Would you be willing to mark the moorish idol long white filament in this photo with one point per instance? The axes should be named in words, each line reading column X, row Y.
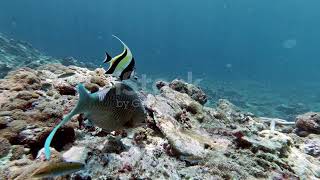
column 122, row 65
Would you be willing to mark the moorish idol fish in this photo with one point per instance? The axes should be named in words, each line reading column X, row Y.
column 123, row 65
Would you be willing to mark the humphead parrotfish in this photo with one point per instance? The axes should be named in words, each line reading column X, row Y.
column 115, row 108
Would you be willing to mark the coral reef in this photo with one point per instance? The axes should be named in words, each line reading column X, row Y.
column 194, row 92
column 15, row 54
column 181, row 139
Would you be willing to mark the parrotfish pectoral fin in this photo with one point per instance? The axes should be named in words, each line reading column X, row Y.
column 83, row 98
column 108, row 58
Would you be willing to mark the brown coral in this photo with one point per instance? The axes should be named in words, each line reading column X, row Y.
column 309, row 122
column 65, row 89
column 99, row 80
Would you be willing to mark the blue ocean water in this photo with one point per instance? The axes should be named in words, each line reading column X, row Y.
column 260, row 51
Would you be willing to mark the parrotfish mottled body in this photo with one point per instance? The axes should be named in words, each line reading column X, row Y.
column 115, row 108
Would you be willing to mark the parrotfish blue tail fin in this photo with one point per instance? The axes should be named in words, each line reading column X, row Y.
column 49, row 138
column 83, row 97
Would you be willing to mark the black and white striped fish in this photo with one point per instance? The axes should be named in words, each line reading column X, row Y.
column 122, row 65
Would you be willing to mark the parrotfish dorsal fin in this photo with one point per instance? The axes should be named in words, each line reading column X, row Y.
column 83, row 98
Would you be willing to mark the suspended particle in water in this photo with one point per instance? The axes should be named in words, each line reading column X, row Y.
column 229, row 66
column 290, row 43
column 250, row 10
column 13, row 24
column 157, row 51
column 225, row 6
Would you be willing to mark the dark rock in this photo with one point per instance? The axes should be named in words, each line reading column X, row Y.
column 91, row 87
column 8, row 134
column 4, row 147
column 46, row 86
column 80, row 177
column 183, row 119
column 301, row 133
column 3, row 122
column 125, row 168
column 113, row 145
column 17, row 152
column 309, row 122
column 34, row 138
column 160, row 84
column 65, row 89
column 233, row 126
column 194, row 92
column 139, row 137
column 170, row 150
column 241, row 141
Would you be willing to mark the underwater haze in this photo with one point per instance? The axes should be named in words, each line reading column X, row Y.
column 159, row 89
column 272, row 43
